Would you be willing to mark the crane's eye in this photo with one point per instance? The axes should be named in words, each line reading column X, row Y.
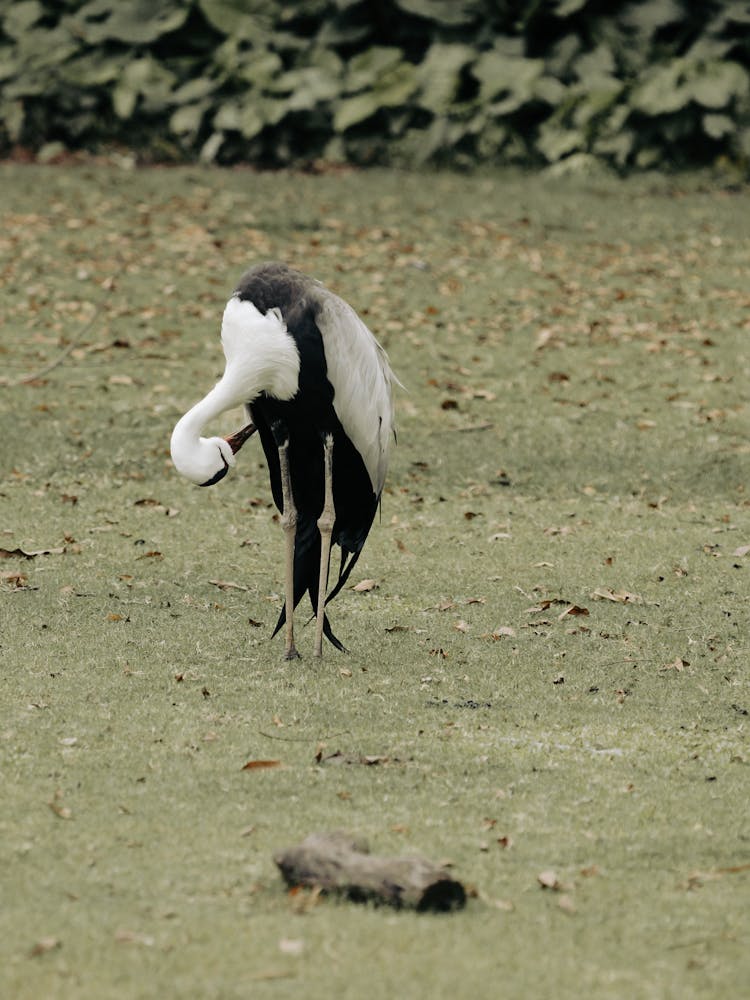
column 219, row 475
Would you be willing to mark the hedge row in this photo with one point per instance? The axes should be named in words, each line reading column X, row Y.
column 632, row 84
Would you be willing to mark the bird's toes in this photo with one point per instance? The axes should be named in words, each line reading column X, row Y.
column 292, row 654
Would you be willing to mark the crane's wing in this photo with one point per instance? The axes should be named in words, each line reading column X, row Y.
column 362, row 380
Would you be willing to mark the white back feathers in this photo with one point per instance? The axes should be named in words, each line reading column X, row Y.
column 358, row 369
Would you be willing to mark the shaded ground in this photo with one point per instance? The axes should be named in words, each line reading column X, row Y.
column 548, row 679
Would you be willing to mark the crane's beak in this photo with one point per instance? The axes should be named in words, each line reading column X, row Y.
column 236, row 440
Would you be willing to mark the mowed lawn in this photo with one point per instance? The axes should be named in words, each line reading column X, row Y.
column 547, row 685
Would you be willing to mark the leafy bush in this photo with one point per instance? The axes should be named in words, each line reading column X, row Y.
column 568, row 82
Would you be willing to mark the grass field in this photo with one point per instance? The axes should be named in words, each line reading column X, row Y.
column 548, row 680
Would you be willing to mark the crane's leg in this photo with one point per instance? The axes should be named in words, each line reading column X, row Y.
column 289, row 524
column 325, row 527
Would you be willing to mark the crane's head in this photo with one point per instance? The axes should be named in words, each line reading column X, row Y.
column 205, row 461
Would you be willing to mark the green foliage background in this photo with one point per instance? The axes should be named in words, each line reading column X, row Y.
column 571, row 82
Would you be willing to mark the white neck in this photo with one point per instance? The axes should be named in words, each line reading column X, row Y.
column 197, row 458
column 260, row 357
column 188, row 429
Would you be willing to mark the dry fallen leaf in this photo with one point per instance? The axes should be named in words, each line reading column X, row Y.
column 157, row 505
column 697, row 879
column 445, row 605
column 544, row 337
column 31, row 554
column 561, row 530
column 572, row 609
column 549, row 880
column 61, row 811
column 741, row 551
column 291, row 946
column 337, row 757
column 677, row 664
column 43, row 945
column 125, row 936
column 228, row 585
column 503, row 631
column 619, row 596
column 547, row 603
column 259, row 765
column 364, row 585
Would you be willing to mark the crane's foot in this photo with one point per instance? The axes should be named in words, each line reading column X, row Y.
column 292, row 654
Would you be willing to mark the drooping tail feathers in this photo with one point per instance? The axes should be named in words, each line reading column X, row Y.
column 307, row 569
